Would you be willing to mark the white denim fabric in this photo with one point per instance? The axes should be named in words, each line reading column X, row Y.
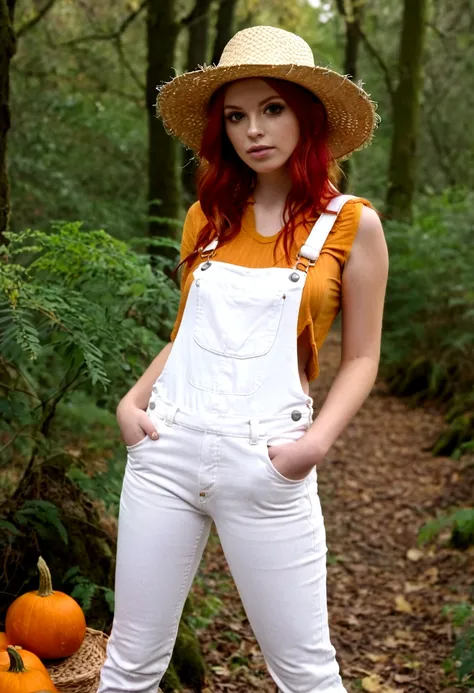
column 230, row 388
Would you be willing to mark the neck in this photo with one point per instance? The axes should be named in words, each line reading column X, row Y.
column 272, row 188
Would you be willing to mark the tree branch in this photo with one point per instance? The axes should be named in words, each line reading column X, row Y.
column 370, row 48
column 437, row 30
column 131, row 17
column 194, row 18
column 379, row 60
column 127, row 65
column 29, row 25
column 113, row 35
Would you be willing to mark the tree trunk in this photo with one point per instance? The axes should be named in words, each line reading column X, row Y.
column 225, row 27
column 352, row 14
column 198, row 47
column 163, row 179
column 7, row 51
column 406, row 107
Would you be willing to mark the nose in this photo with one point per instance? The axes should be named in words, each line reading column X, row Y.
column 255, row 127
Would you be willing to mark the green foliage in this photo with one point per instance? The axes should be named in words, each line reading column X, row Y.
column 84, row 590
column 104, row 486
column 428, row 340
column 38, row 516
column 79, row 154
column 79, row 311
column 204, row 611
column 460, row 523
column 462, row 660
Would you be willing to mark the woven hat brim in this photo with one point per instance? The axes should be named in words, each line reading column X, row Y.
column 182, row 102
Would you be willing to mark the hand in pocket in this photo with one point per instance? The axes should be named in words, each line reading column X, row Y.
column 293, row 460
column 134, row 424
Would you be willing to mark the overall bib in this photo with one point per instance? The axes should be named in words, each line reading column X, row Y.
column 229, row 389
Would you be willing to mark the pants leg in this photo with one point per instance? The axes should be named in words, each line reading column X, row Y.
column 273, row 536
column 160, row 543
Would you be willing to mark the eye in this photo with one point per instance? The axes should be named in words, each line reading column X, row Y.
column 234, row 117
column 274, row 108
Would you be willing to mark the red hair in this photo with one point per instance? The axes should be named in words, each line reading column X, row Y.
column 225, row 182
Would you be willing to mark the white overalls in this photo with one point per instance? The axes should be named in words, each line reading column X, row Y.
column 229, row 389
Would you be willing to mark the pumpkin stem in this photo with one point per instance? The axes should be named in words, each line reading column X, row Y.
column 45, row 588
column 16, row 662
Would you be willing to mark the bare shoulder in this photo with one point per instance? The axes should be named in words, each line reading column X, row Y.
column 368, row 257
column 369, row 241
column 370, row 226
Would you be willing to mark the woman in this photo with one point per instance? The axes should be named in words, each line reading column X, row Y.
column 224, row 408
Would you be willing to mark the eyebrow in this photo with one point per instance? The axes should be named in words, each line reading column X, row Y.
column 262, row 103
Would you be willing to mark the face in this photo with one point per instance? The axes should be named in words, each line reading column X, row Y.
column 260, row 125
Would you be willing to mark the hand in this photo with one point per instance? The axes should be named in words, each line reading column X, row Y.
column 134, row 423
column 295, row 460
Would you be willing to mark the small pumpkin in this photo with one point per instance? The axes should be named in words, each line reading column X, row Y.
column 30, row 660
column 4, row 642
column 49, row 623
column 19, row 678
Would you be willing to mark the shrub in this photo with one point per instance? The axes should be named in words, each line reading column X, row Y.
column 428, row 340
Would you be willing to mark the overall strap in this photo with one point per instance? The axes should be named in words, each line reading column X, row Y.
column 322, row 228
column 317, row 237
column 210, row 248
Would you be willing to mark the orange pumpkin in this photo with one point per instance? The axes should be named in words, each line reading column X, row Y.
column 21, row 679
column 4, row 642
column 30, row 660
column 50, row 624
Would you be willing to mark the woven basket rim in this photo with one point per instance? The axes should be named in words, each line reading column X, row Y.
column 61, row 678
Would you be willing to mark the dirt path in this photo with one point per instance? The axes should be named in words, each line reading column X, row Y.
column 378, row 487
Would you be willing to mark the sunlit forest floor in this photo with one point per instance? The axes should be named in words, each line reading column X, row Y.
column 379, row 485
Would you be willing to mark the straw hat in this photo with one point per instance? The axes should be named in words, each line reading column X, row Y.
column 264, row 51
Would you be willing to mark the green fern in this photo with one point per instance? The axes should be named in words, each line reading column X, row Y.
column 461, row 524
column 462, row 659
column 43, row 517
column 84, row 590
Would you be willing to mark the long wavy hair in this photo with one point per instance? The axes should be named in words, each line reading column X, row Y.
column 225, row 182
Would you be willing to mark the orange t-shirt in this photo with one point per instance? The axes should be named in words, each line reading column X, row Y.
column 321, row 299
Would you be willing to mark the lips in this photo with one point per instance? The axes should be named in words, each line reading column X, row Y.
column 258, row 148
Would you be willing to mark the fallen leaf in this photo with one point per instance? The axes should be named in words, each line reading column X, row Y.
column 414, row 554
column 391, row 642
column 402, row 605
column 403, row 634
column 372, row 683
column 405, row 678
column 415, row 586
column 376, row 657
column 431, row 575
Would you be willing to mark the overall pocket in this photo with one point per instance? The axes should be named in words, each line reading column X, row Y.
column 141, row 442
column 238, row 320
column 235, row 328
column 271, row 467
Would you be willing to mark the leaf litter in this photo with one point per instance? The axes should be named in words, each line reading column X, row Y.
column 378, row 486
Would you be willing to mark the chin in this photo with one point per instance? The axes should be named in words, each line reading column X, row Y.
column 265, row 166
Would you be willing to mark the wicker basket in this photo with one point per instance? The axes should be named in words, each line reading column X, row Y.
column 80, row 673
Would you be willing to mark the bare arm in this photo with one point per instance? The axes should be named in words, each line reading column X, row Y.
column 364, row 283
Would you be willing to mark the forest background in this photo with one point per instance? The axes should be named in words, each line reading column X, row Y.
column 92, row 197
